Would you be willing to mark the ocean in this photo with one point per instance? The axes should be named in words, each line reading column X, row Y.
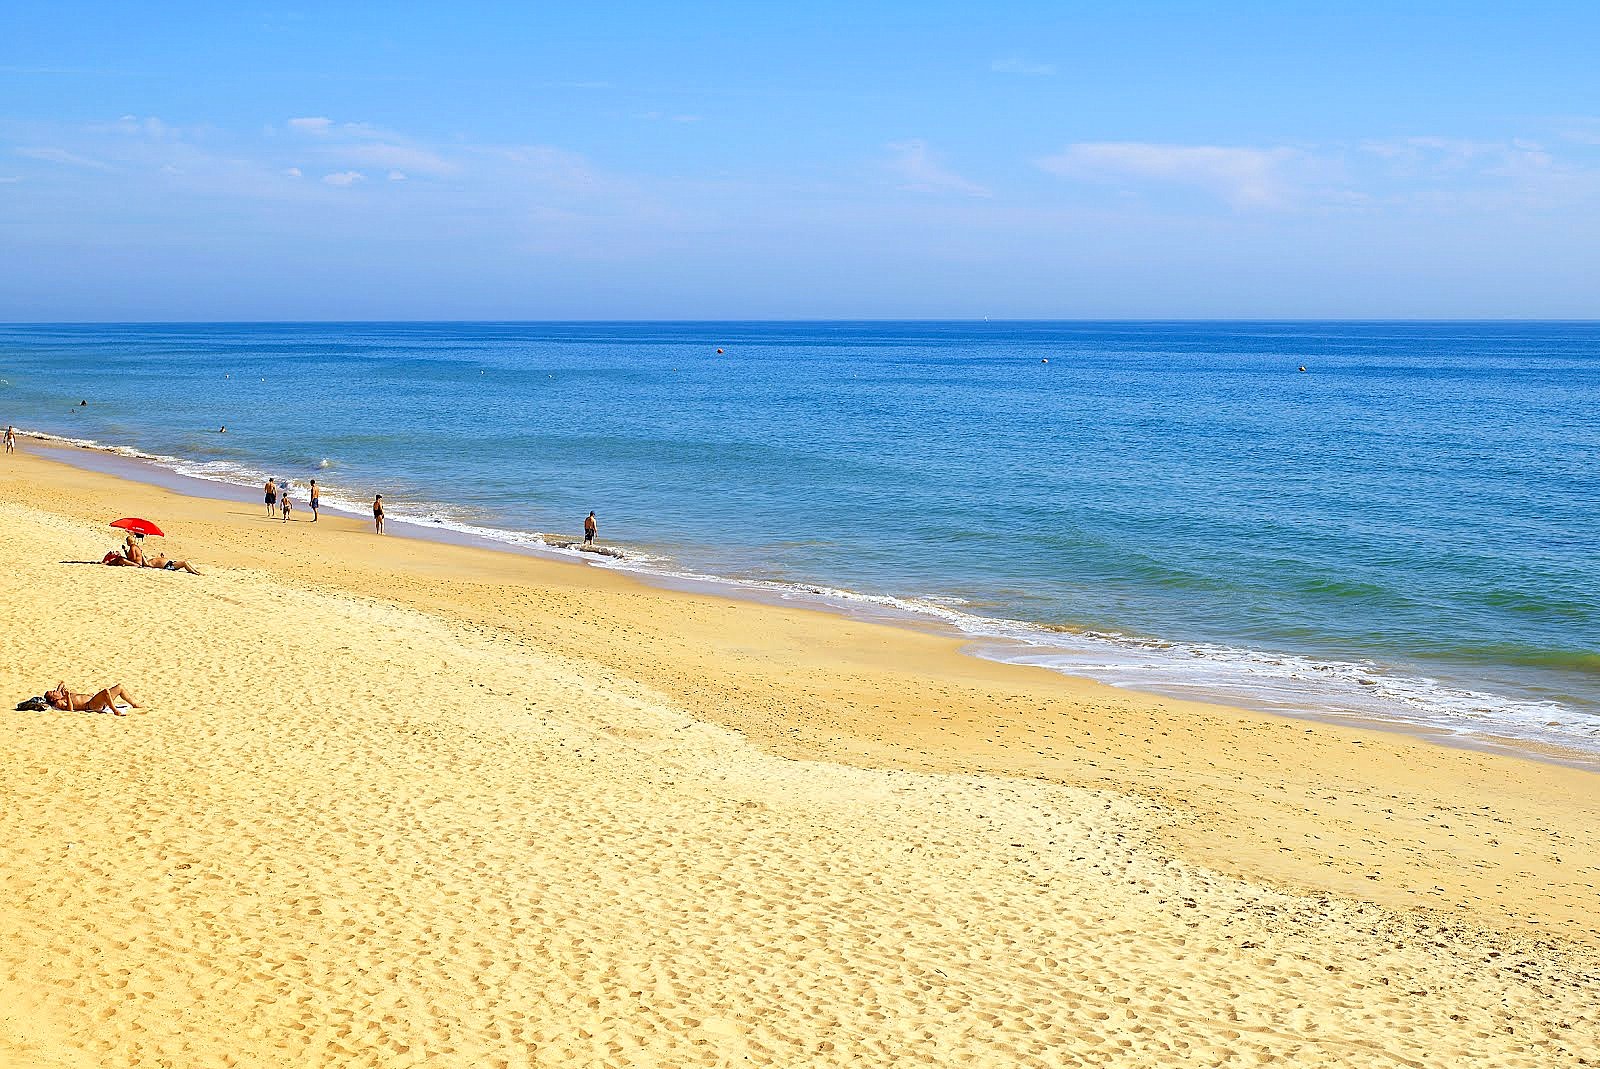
column 1404, row 531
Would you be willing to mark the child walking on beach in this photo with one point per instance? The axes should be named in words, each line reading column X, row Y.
column 288, row 502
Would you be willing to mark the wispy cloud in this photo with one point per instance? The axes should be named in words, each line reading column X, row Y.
column 1244, row 177
column 355, row 145
column 344, row 178
column 61, row 155
column 919, row 172
column 1018, row 65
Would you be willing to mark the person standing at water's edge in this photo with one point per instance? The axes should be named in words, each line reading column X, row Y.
column 288, row 502
column 377, row 513
column 589, row 528
column 11, row 439
column 272, row 498
column 316, row 500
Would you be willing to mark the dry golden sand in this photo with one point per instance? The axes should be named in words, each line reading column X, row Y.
column 395, row 803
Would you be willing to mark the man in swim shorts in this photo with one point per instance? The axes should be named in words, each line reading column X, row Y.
column 272, row 498
column 589, row 528
column 316, row 500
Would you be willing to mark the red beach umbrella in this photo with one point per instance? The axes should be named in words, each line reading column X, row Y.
column 137, row 526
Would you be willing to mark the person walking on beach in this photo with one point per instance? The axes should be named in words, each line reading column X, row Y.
column 316, row 500
column 377, row 513
column 272, row 498
column 590, row 527
column 288, row 502
column 11, row 439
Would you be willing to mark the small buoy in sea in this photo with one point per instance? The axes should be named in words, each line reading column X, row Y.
column 222, row 430
column 719, row 352
column 1302, row 367
column 1045, row 360
column 83, row 404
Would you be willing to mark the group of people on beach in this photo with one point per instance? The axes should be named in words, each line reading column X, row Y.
column 280, row 504
column 279, row 498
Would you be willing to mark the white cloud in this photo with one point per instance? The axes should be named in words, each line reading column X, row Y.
column 344, row 178
column 381, row 155
column 1583, row 131
column 921, row 173
column 148, row 126
column 61, row 155
column 1018, row 65
column 317, row 126
column 556, row 168
column 1245, row 177
column 397, row 176
column 293, row 172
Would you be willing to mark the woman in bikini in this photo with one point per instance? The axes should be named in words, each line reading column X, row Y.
column 101, row 701
column 161, row 560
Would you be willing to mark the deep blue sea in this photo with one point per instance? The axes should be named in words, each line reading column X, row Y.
column 1407, row 529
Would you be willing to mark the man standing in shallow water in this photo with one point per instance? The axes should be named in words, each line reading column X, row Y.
column 589, row 528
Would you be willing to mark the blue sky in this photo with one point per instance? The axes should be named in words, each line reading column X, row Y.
column 531, row 161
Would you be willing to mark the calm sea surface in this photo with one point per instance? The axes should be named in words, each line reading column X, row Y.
column 1408, row 529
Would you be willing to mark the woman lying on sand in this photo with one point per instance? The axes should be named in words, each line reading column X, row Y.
column 161, row 560
column 101, row 701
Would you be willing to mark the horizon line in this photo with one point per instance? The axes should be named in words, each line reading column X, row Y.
column 804, row 319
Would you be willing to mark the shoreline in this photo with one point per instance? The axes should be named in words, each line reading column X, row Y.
column 992, row 646
column 404, row 802
column 769, row 641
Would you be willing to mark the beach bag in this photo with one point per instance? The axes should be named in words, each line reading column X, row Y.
column 33, row 705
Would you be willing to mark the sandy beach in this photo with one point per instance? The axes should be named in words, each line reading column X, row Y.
column 394, row 802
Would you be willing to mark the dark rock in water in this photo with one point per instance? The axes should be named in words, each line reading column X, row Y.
column 557, row 542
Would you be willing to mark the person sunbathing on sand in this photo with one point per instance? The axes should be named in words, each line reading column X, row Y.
column 101, row 701
column 161, row 560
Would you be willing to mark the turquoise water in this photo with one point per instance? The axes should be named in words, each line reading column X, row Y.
column 1406, row 529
